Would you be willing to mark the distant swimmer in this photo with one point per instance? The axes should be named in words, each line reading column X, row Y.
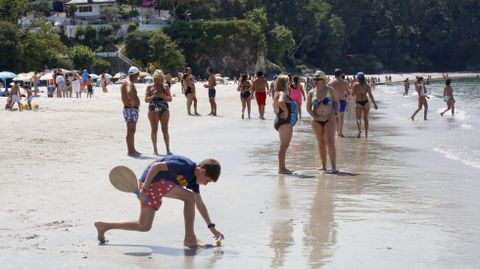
column 323, row 105
column 342, row 88
column 260, row 90
column 286, row 117
column 362, row 93
column 422, row 98
column 297, row 93
column 131, row 105
column 448, row 97
column 245, row 89
column 406, row 85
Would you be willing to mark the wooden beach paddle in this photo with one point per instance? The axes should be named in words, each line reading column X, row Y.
column 124, row 179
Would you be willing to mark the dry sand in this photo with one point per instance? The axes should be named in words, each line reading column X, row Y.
column 54, row 183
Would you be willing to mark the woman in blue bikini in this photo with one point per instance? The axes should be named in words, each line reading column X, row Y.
column 323, row 105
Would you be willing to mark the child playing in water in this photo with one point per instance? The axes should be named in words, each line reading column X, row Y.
column 170, row 177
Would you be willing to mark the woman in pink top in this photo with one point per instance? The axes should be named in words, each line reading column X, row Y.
column 297, row 94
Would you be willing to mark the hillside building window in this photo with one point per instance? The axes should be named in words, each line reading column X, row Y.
column 85, row 9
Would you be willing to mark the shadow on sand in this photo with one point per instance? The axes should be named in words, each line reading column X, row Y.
column 208, row 250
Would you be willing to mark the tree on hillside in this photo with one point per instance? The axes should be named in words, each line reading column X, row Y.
column 71, row 9
column 40, row 7
column 12, row 11
column 83, row 57
column 280, row 43
column 40, row 47
column 9, row 49
column 137, row 47
column 174, row 5
column 165, row 53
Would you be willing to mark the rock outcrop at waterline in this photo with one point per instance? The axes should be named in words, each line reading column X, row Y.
column 229, row 47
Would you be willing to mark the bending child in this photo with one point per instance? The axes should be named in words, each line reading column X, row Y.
column 173, row 177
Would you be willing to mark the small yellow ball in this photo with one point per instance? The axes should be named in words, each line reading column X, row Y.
column 219, row 243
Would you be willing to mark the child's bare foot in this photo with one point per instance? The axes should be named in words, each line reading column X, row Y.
column 193, row 242
column 285, row 172
column 100, row 232
column 323, row 168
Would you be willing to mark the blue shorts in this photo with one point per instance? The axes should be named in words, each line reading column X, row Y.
column 130, row 114
column 343, row 106
column 212, row 92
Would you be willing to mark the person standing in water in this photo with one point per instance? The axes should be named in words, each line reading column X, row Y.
column 245, row 88
column 422, row 98
column 448, row 97
column 342, row 90
column 362, row 93
column 297, row 94
column 322, row 105
column 260, row 89
column 406, row 85
column 286, row 117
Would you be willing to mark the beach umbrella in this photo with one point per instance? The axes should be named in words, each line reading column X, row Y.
column 4, row 75
column 25, row 77
column 94, row 76
column 47, row 76
column 120, row 75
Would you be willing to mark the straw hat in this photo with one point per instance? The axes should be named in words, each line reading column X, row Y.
column 321, row 75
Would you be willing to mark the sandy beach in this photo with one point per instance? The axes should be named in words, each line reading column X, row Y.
column 56, row 160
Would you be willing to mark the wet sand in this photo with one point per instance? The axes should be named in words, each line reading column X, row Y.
column 378, row 214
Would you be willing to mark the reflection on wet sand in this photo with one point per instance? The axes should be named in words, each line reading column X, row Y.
column 282, row 230
column 320, row 232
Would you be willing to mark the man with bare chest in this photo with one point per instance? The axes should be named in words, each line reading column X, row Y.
column 131, row 105
column 342, row 89
column 260, row 90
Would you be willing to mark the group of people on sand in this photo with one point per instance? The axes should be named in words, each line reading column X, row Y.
column 170, row 176
column 326, row 103
column 65, row 84
column 421, row 89
column 15, row 97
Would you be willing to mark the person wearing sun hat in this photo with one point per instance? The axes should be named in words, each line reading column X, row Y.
column 323, row 105
column 362, row 92
column 131, row 104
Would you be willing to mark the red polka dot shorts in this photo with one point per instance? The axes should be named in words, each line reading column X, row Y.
column 156, row 192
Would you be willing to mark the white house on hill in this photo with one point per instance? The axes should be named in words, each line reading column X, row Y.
column 89, row 9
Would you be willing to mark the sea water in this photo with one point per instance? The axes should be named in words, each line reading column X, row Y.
column 455, row 137
column 408, row 196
